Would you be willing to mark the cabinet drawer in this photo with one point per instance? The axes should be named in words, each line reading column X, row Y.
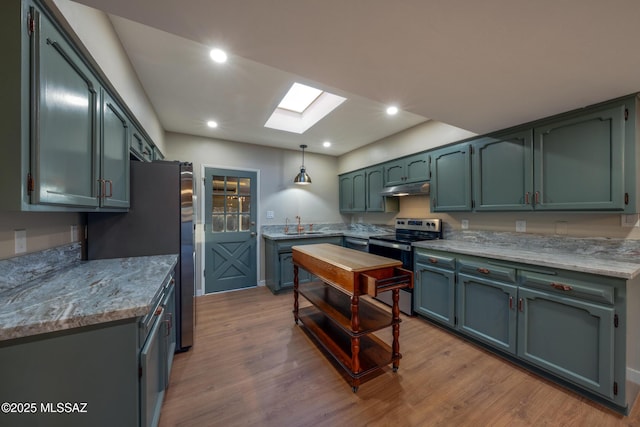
column 479, row 268
column 435, row 259
column 286, row 245
column 583, row 287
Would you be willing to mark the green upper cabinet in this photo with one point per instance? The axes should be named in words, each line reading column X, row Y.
column 63, row 146
column 65, row 112
column 360, row 192
column 352, row 192
column 406, row 170
column 579, row 161
column 503, row 172
column 140, row 147
column 451, row 178
column 114, row 165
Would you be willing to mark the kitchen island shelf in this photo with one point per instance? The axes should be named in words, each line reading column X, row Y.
column 337, row 306
column 339, row 321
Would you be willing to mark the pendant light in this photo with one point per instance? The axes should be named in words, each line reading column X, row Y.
column 302, row 178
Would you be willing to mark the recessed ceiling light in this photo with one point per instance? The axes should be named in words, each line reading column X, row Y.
column 392, row 110
column 326, row 144
column 212, row 124
column 218, row 55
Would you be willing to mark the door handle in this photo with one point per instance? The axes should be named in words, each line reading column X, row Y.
column 253, row 234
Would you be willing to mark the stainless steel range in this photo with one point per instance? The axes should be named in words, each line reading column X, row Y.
column 398, row 246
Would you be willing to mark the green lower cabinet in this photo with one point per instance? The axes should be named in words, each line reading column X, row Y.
column 96, row 366
column 487, row 311
column 569, row 332
column 279, row 262
column 434, row 287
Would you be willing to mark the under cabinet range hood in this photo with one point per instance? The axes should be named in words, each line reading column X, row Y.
column 421, row 188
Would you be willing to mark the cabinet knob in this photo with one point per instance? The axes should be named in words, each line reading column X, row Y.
column 483, row 270
column 433, row 260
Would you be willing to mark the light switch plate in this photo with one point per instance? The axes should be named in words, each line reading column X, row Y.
column 74, row 233
column 270, row 214
column 521, row 226
column 464, row 224
column 20, row 237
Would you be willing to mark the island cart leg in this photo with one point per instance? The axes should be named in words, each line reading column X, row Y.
column 295, row 293
column 396, row 330
column 355, row 341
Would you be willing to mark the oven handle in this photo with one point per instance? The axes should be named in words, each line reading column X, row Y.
column 401, row 246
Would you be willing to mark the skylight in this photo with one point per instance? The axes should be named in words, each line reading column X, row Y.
column 302, row 107
column 299, row 98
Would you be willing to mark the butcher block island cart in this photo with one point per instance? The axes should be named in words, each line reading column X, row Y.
column 339, row 320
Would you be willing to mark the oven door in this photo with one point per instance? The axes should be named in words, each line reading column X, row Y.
column 393, row 250
column 403, row 253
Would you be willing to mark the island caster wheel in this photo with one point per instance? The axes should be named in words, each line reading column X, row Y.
column 354, row 388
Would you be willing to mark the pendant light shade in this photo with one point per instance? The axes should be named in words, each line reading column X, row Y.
column 302, row 178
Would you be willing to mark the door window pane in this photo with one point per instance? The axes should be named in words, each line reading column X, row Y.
column 231, row 204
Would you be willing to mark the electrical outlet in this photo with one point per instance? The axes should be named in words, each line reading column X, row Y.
column 74, row 233
column 629, row 220
column 521, row 226
column 270, row 214
column 20, row 237
column 464, row 224
column 561, row 227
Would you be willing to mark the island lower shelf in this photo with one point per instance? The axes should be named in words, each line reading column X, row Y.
column 373, row 353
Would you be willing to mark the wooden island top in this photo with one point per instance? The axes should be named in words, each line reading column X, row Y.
column 345, row 268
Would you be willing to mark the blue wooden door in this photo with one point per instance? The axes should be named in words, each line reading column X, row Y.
column 230, row 229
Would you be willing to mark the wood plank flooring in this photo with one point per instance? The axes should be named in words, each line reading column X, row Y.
column 252, row 366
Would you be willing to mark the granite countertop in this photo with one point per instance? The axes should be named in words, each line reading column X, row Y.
column 82, row 294
column 595, row 256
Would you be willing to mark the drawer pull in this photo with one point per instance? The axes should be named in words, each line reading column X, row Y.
column 510, row 303
column 483, row 270
column 561, row 286
column 520, row 307
column 433, row 260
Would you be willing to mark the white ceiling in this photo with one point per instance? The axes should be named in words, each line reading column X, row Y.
column 478, row 65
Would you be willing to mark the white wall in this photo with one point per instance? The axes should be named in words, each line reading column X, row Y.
column 422, row 137
column 315, row 203
column 96, row 32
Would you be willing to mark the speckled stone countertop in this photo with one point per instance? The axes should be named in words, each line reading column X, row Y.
column 79, row 293
column 362, row 231
column 608, row 257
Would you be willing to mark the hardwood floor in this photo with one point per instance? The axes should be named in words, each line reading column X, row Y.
column 252, row 366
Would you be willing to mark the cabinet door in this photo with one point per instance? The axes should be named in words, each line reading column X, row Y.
column 115, row 155
column 346, row 193
column 359, row 192
column 568, row 337
column 434, row 293
column 375, row 183
column 286, row 272
column 451, row 179
column 394, row 173
column 487, row 311
column 169, row 323
column 503, row 172
column 140, row 146
column 65, row 103
column 418, row 168
column 152, row 381
column 578, row 162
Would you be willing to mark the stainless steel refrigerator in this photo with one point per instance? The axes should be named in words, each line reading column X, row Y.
column 159, row 222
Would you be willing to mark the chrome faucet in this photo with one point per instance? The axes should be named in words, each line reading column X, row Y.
column 300, row 227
